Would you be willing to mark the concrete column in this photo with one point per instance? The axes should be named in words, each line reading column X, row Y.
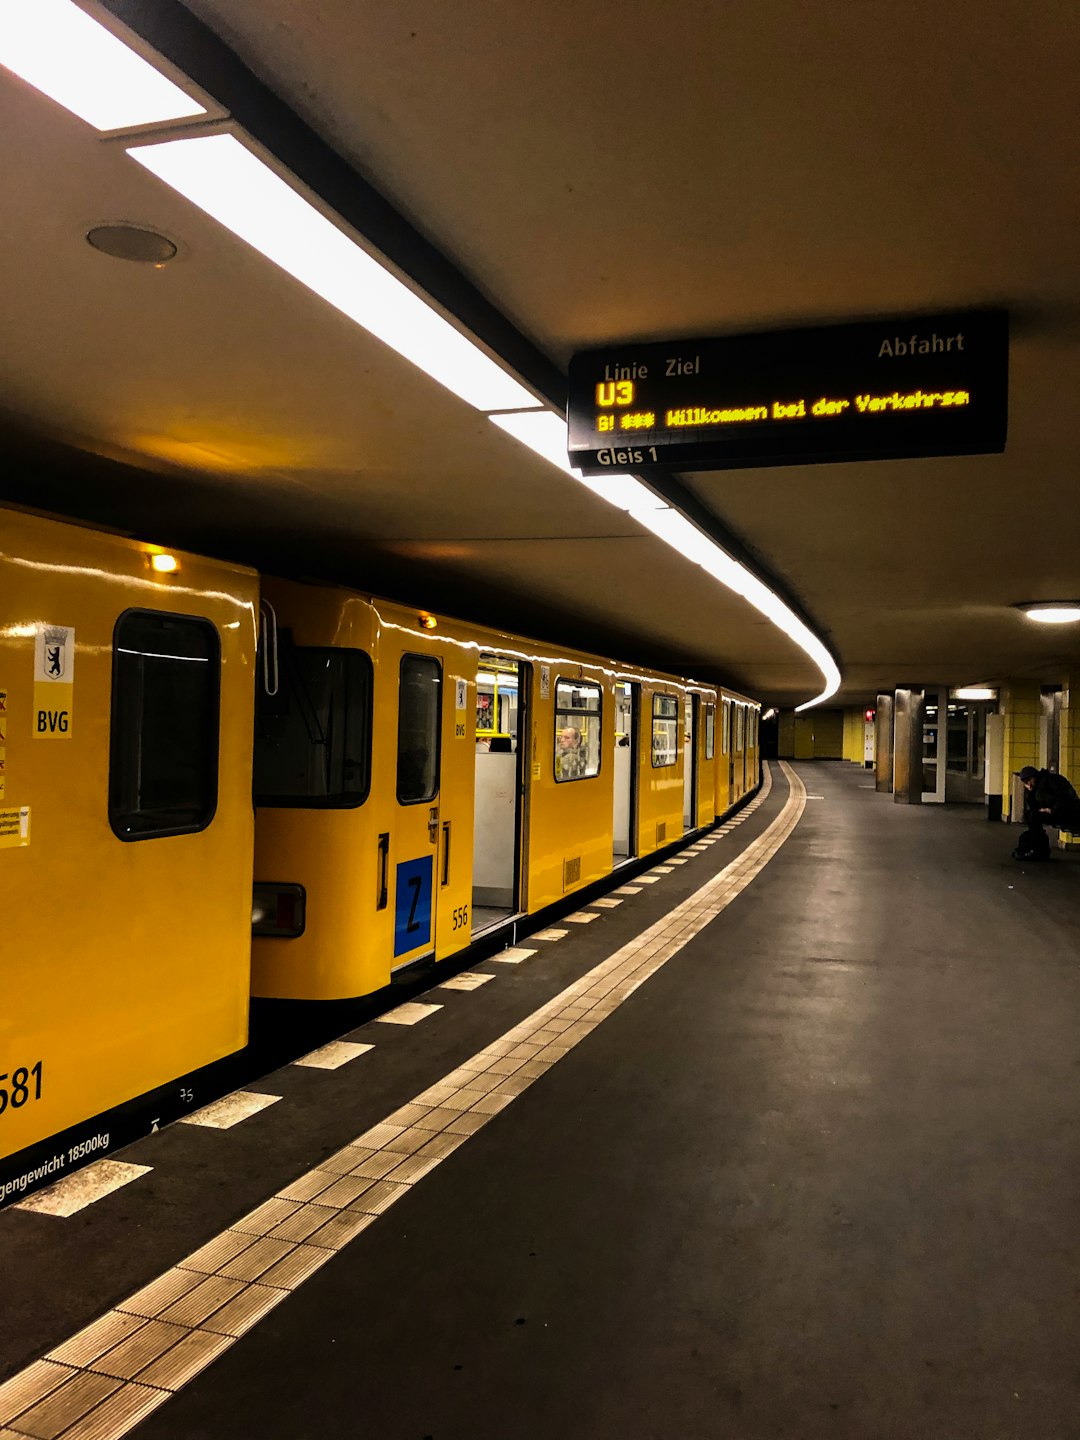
column 908, row 711
column 883, row 745
column 1021, row 709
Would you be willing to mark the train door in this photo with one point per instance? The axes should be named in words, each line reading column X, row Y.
column 690, row 760
column 414, row 850
column 625, row 769
column 729, row 752
column 498, row 790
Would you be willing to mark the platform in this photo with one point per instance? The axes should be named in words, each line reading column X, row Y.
column 783, row 1144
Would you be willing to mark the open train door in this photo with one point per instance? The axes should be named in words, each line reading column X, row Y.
column 691, row 714
column 499, row 789
column 625, row 770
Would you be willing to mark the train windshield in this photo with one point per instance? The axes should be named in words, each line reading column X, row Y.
column 313, row 738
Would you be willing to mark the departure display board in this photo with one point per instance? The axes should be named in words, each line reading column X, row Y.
column 872, row 390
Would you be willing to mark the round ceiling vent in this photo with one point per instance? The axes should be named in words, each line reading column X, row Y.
column 132, row 242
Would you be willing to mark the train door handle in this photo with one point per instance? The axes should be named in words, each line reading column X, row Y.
column 384, row 869
column 445, row 880
column 433, row 824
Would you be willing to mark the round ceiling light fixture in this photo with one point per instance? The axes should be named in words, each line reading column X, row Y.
column 1052, row 612
column 133, row 242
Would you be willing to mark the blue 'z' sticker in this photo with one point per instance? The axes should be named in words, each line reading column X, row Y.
column 412, row 905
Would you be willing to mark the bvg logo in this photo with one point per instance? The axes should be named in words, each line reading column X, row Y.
column 53, row 722
column 55, row 654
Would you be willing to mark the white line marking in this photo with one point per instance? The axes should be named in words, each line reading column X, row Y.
column 411, row 1013
column 223, row 1114
column 649, row 879
column 73, row 1193
column 229, row 1110
column 467, row 980
column 393, row 1156
column 628, row 890
column 607, row 903
column 514, row 955
column 581, row 917
column 549, row 934
column 334, row 1055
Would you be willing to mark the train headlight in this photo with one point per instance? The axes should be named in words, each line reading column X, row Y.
column 278, row 910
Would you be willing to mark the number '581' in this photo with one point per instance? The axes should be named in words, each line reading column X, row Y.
column 16, row 1090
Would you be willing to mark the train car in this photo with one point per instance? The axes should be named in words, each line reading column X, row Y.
column 740, row 756
column 126, row 682
column 420, row 781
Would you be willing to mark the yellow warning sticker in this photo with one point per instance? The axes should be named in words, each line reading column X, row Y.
column 14, row 828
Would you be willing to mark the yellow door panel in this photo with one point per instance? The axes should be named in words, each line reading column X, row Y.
column 127, row 954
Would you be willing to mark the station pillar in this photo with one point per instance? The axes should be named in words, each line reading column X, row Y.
column 1068, row 756
column 908, row 710
column 1021, row 710
column 883, row 745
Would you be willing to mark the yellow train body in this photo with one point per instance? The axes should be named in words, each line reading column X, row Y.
column 416, row 781
column 387, row 881
column 126, row 961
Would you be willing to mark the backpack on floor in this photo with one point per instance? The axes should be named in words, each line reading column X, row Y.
column 1032, row 845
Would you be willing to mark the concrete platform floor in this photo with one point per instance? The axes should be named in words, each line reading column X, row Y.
column 816, row 1177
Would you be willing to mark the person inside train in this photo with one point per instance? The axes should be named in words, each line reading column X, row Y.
column 1049, row 799
column 569, row 755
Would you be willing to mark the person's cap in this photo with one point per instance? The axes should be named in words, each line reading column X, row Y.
column 1027, row 773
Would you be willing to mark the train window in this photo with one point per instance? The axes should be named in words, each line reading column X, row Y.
column 665, row 730
column 740, row 729
column 419, row 719
column 710, row 730
column 163, row 752
column 313, row 738
column 725, row 729
column 577, row 730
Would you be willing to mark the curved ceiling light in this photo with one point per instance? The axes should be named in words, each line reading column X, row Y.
column 68, row 55
column 234, row 186
column 71, row 57
column 545, row 434
column 1052, row 612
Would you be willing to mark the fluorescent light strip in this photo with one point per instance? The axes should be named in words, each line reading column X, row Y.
column 545, row 433
column 66, row 54
column 230, row 183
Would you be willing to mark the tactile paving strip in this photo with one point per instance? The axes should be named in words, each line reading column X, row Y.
column 100, row 1383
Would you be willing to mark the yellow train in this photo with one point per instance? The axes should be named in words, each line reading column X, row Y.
column 418, row 782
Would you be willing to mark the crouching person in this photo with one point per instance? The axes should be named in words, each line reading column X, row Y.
column 1049, row 799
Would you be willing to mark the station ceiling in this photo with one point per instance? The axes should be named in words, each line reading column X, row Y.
column 599, row 174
